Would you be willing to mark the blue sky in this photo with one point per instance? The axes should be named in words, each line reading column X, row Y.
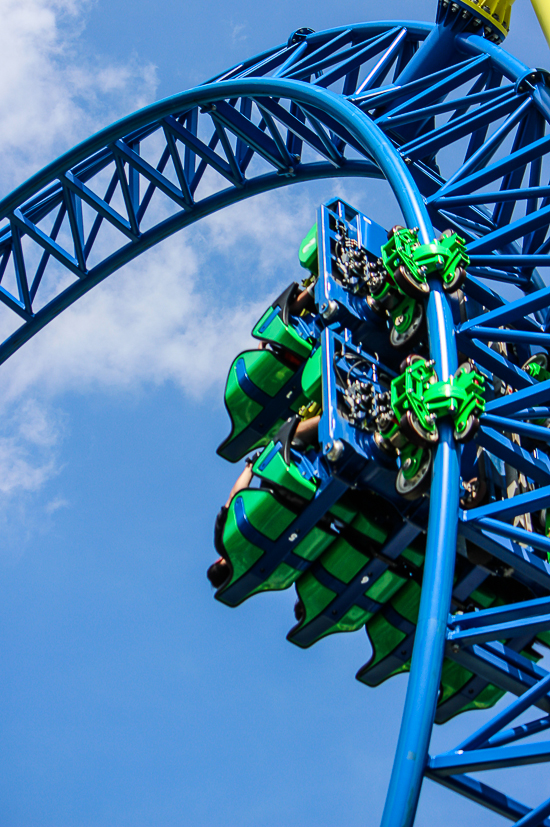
column 129, row 696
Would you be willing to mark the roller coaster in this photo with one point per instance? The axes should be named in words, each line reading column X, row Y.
column 396, row 411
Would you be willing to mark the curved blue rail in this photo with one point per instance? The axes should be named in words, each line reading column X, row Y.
column 70, row 199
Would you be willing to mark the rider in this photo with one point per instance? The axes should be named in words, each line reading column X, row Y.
column 305, row 435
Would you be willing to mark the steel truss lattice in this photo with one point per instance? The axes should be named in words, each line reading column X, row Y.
column 459, row 129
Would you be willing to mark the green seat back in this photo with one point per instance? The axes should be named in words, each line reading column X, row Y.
column 270, row 466
column 386, row 639
column 270, row 518
column 344, row 562
column 266, row 515
column 256, row 377
column 312, row 377
column 272, row 328
column 308, row 253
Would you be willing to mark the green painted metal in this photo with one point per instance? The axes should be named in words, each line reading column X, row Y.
column 344, row 560
column 443, row 257
column 267, row 372
column 419, row 392
column 537, row 371
column 270, row 513
column 404, row 314
column 312, row 377
column 272, row 328
column 287, row 476
column 413, row 458
column 308, row 253
column 388, row 633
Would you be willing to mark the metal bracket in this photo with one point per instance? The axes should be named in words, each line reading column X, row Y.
column 410, row 263
column 418, row 399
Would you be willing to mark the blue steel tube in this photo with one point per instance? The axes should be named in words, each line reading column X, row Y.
column 440, row 548
column 427, row 659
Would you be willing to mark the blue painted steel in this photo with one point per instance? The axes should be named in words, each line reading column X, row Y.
column 488, row 748
column 521, row 504
column 522, row 731
column 535, row 468
column 528, row 626
column 501, row 665
column 485, row 734
column 423, row 687
column 503, row 423
column 502, row 541
column 281, row 550
column 514, row 402
column 358, row 128
column 375, row 127
column 490, row 759
column 511, row 312
column 485, row 795
column 535, row 817
column 498, row 614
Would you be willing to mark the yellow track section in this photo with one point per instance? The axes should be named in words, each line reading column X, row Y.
column 542, row 10
column 496, row 13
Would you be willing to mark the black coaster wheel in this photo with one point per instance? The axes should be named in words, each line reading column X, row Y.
column 537, row 359
column 457, row 281
column 412, row 333
column 469, row 432
column 393, row 230
column 419, row 484
column 475, row 491
column 409, row 361
column 409, row 285
column 414, row 431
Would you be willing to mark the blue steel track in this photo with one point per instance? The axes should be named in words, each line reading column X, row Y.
column 301, row 112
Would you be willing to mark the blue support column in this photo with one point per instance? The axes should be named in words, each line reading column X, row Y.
column 423, row 687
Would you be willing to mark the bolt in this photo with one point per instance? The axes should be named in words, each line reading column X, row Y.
column 330, row 310
column 335, row 450
column 399, row 320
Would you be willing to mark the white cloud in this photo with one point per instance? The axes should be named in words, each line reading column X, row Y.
column 179, row 313
column 55, row 504
column 151, row 323
column 238, row 33
column 51, row 94
column 28, row 447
